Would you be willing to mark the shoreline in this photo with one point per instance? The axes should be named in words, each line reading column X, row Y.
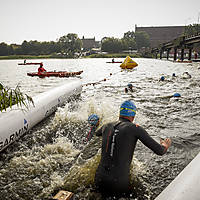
column 22, row 57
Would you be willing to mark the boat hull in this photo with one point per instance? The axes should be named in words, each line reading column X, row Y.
column 115, row 62
column 29, row 63
column 55, row 74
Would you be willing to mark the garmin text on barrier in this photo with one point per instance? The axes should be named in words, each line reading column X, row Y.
column 13, row 136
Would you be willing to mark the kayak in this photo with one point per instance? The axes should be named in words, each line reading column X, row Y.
column 55, row 74
column 29, row 63
column 115, row 62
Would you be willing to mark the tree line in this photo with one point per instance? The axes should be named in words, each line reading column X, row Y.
column 66, row 45
column 69, row 45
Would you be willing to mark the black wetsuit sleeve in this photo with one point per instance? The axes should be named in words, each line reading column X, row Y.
column 99, row 131
column 148, row 141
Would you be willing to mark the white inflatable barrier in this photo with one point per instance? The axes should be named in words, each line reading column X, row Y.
column 186, row 185
column 15, row 122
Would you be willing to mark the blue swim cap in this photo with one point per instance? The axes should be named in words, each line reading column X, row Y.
column 128, row 109
column 162, row 78
column 130, row 85
column 176, row 95
column 93, row 119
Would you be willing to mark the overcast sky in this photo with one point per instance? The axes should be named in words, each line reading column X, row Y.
column 48, row 20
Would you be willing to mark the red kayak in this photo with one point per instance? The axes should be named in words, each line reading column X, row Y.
column 55, row 74
column 29, row 63
column 115, row 62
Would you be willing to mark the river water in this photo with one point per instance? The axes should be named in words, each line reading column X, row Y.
column 55, row 156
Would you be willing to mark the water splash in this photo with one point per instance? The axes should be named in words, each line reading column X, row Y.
column 38, row 171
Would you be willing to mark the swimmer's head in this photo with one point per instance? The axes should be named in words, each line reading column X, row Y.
column 93, row 120
column 128, row 109
column 130, row 85
column 162, row 78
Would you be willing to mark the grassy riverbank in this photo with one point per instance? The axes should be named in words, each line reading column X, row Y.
column 123, row 55
column 24, row 57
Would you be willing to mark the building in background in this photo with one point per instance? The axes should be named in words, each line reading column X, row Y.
column 161, row 34
column 90, row 43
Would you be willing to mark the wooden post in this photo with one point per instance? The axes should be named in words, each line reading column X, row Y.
column 175, row 54
column 182, row 54
column 190, row 54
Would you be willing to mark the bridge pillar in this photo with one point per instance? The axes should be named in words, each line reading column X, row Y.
column 190, row 54
column 168, row 50
column 175, row 54
column 182, row 54
column 156, row 55
column 161, row 54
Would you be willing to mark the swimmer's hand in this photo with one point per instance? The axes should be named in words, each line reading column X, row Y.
column 166, row 143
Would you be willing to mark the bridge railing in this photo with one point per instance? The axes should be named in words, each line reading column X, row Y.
column 192, row 36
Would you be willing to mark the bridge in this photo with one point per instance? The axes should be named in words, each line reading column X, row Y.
column 182, row 42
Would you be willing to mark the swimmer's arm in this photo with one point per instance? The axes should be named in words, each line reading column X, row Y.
column 147, row 140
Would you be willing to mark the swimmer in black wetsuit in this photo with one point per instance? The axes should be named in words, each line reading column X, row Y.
column 118, row 144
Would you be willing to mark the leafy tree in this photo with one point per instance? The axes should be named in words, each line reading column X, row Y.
column 192, row 29
column 142, row 39
column 25, row 48
column 18, row 50
column 112, row 45
column 49, row 48
column 38, row 48
column 35, row 47
column 129, row 40
column 29, row 48
column 69, row 44
column 129, row 35
column 5, row 49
